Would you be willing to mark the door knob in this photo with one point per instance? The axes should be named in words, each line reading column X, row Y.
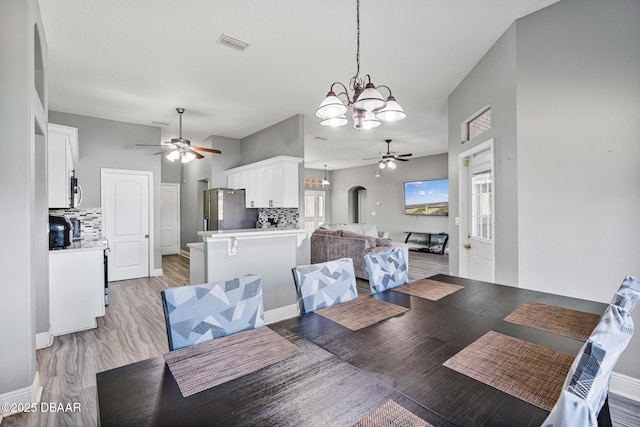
column 467, row 246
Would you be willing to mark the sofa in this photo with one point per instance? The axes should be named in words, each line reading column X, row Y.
column 334, row 241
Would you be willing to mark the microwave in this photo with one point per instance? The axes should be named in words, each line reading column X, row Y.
column 76, row 193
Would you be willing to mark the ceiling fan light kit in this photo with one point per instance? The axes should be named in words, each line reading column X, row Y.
column 369, row 106
column 389, row 159
column 180, row 148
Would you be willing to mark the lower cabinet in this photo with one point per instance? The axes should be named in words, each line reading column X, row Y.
column 76, row 289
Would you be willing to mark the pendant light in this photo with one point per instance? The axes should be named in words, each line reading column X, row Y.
column 369, row 107
column 325, row 181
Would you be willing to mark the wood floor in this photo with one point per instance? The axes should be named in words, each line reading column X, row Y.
column 133, row 329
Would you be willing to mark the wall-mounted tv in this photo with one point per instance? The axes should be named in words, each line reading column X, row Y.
column 430, row 197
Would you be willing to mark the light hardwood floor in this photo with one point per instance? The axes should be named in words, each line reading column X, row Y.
column 133, row 329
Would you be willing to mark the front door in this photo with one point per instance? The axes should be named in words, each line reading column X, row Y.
column 477, row 231
column 125, row 210
column 170, row 219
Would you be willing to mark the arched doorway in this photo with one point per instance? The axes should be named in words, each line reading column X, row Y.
column 357, row 205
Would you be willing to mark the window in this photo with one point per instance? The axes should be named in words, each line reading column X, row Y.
column 482, row 193
column 478, row 124
column 313, row 209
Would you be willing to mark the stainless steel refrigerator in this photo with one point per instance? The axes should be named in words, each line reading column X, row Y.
column 224, row 209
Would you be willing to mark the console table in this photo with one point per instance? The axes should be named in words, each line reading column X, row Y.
column 432, row 242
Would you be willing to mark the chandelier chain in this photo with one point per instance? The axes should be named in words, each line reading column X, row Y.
column 358, row 40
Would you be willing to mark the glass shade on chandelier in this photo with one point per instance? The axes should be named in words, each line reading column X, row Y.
column 369, row 106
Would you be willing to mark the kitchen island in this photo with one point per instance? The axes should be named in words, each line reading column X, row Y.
column 269, row 252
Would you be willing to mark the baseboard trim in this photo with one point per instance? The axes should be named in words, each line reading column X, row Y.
column 29, row 394
column 625, row 386
column 156, row 272
column 44, row 339
column 280, row 313
column 184, row 253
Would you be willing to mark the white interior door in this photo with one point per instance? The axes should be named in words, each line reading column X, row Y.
column 125, row 208
column 170, row 219
column 477, row 220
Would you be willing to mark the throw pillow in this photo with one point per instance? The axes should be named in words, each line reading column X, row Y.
column 383, row 242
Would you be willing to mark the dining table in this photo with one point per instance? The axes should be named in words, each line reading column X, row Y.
column 341, row 375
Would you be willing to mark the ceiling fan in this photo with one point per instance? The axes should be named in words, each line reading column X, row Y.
column 180, row 148
column 389, row 158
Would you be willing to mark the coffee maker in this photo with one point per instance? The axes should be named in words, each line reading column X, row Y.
column 59, row 232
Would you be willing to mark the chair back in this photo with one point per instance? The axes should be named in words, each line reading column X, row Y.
column 386, row 270
column 586, row 387
column 324, row 284
column 199, row 313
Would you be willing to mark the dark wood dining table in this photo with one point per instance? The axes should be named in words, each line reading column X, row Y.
column 342, row 375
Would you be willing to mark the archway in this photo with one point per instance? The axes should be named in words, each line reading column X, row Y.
column 357, row 204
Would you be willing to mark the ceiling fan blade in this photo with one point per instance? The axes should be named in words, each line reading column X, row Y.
column 198, row 155
column 402, row 160
column 207, row 150
column 404, row 155
column 372, row 158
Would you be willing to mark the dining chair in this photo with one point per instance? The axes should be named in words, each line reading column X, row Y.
column 324, row 284
column 386, row 270
column 586, row 386
column 199, row 313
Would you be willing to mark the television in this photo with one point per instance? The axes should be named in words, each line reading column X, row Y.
column 429, row 197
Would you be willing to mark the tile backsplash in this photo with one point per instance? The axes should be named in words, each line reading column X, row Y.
column 90, row 220
column 278, row 217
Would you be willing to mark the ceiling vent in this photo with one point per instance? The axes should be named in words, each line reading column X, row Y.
column 232, row 42
column 155, row 122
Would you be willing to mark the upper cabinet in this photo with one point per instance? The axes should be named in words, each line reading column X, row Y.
column 271, row 183
column 62, row 151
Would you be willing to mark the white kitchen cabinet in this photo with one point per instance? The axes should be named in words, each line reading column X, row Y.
column 62, row 151
column 76, row 289
column 269, row 183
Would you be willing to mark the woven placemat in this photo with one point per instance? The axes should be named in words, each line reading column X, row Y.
column 361, row 312
column 202, row 366
column 520, row 368
column 428, row 289
column 390, row 414
column 558, row 320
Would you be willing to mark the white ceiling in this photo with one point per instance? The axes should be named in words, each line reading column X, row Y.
column 135, row 61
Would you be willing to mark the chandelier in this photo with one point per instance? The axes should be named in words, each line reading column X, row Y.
column 369, row 107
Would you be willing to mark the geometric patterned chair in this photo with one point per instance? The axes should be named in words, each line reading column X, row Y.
column 324, row 284
column 199, row 313
column 587, row 384
column 386, row 270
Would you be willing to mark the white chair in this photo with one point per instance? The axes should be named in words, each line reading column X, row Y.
column 587, row 384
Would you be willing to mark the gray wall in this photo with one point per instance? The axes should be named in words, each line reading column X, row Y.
column 23, row 232
column 199, row 175
column 492, row 81
column 575, row 105
column 111, row 144
column 285, row 138
column 389, row 191
column 578, row 148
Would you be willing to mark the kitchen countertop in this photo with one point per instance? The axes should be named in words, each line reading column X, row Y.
column 251, row 232
column 83, row 245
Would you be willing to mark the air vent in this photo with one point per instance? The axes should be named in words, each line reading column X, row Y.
column 232, row 42
column 155, row 122
column 319, row 138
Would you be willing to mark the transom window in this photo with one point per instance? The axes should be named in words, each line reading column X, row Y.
column 478, row 124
